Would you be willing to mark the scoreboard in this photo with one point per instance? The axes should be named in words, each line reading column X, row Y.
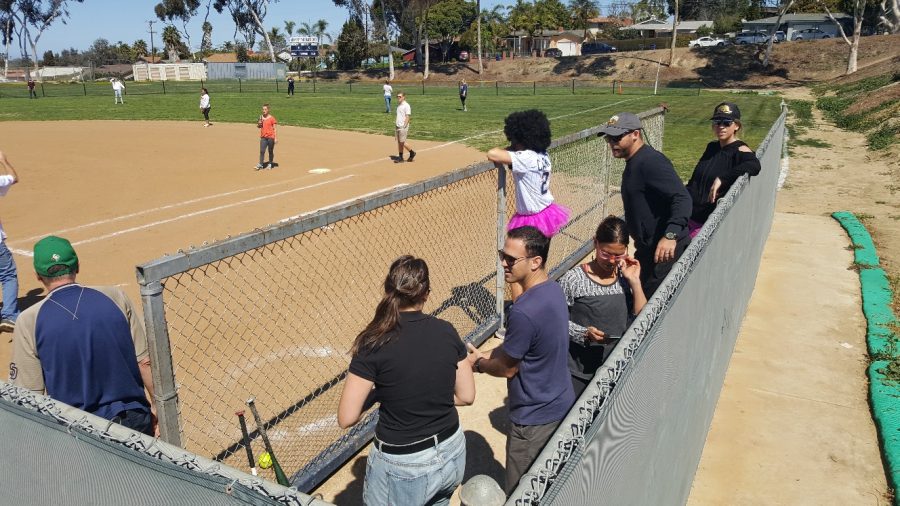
column 304, row 47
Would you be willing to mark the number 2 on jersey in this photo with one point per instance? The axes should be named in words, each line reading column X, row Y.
column 545, row 182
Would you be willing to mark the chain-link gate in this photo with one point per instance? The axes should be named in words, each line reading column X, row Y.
column 272, row 313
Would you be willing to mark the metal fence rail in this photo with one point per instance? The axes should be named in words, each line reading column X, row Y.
column 636, row 434
column 272, row 313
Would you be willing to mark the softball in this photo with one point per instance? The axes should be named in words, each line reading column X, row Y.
column 265, row 460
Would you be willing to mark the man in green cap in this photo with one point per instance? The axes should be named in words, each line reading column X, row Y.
column 82, row 345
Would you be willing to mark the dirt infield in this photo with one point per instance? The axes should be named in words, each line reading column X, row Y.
column 127, row 192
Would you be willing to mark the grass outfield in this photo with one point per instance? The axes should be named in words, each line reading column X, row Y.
column 437, row 114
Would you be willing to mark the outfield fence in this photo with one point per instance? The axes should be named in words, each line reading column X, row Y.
column 272, row 313
column 373, row 88
column 636, row 434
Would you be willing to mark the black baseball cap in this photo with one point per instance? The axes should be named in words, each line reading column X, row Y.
column 727, row 110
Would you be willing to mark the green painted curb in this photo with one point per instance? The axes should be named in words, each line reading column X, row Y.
column 884, row 395
column 865, row 249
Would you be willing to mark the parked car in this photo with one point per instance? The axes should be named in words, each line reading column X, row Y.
column 553, row 52
column 596, row 48
column 779, row 36
column 810, row 34
column 707, row 42
column 751, row 38
column 463, row 56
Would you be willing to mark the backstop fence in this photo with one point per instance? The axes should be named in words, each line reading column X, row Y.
column 272, row 313
column 52, row 453
column 635, row 436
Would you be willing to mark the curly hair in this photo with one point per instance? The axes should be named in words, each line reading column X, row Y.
column 528, row 129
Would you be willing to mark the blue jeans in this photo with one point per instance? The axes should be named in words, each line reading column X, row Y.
column 387, row 103
column 139, row 420
column 426, row 477
column 10, row 281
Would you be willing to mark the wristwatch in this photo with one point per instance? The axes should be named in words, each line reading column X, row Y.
column 671, row 236
column 477, row 365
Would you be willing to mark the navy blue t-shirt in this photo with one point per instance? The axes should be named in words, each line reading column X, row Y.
column 87, row 354
column 538, row 336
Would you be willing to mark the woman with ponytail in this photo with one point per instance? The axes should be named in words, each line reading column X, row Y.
column 415, row 366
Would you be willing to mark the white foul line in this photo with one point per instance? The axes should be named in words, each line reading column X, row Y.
column 279, row 183
column 207, row 211
column 482, row 134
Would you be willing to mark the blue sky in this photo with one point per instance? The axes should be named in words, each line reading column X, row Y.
column 126, row 20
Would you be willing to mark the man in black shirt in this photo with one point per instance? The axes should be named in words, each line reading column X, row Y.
column 657, row 206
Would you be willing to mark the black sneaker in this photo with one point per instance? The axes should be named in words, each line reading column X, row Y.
column 399, row 159
column 412, row 154
column 7, row 325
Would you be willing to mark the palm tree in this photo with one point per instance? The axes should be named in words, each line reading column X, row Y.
column 172, row 40
column 289, row 28
column 319, row 28
column 582, row 11
column 305, row 29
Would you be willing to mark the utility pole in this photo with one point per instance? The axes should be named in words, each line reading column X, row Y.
column 152, row 47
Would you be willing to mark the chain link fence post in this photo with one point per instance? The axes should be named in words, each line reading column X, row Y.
column 501, row 238
column 164, row 391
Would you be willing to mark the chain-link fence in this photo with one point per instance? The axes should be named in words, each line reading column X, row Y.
column 306, row 86
column 272, row 313
column 52, row 453
column 636, row 434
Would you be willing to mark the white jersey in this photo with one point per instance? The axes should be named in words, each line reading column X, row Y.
column 204, row 101
column 531, row 174
column 118, row 86
column 403, row 110
column 388, row 90
column 6, row 181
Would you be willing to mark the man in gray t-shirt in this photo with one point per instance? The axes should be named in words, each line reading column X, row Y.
column 534, row 354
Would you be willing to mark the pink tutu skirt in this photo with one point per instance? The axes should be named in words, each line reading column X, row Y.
column 549, row 221
column 694, row 228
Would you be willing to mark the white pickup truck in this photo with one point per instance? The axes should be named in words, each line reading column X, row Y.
column 707, row 42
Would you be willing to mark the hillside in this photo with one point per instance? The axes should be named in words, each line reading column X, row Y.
column 793, row 63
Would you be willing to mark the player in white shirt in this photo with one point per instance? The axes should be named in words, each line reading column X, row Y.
column 8, row 274
column 388, row 91
column 404, row 111
column 204, row 106
column 118, row 87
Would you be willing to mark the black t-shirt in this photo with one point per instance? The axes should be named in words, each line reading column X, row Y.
column 654, row 198
column 414, row 376
column 727, row 164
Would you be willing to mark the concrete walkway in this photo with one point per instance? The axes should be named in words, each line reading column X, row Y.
column 792, row 425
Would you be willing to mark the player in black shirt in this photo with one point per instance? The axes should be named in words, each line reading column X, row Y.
column 657, row 206
column 724, row 160
column 415, row 365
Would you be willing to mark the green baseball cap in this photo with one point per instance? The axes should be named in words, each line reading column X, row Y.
column 54, row 257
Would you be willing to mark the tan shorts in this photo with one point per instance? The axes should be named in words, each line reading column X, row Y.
column 402, row 133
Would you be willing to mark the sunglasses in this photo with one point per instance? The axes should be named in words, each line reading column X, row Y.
column 614, row 139
column 509, row 259
column 609, row 256
column 723, row 122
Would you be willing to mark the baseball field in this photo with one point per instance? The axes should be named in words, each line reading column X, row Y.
column 129, row 183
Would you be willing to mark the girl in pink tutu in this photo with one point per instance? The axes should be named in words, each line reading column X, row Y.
column 528, row 133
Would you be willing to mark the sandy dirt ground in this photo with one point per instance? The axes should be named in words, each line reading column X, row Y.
column 127, row 192
column 793, row 424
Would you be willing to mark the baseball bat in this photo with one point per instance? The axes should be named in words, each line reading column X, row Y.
column 246, row 441
column 279, row 473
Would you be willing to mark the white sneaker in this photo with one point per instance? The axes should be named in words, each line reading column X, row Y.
column 259, row 166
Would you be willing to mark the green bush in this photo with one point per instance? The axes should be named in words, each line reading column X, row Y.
column 884, row 137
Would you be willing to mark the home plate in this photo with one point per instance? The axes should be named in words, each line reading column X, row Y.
column 320, row 171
